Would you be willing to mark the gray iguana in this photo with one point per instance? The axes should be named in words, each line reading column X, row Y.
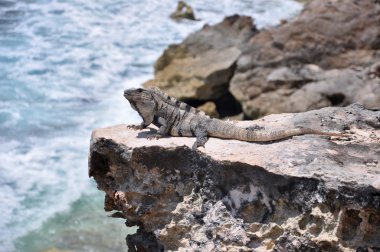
column 177, row 118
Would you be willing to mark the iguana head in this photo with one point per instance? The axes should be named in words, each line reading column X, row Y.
column 141, row 100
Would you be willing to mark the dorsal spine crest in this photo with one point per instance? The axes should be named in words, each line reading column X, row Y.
column 164, row 97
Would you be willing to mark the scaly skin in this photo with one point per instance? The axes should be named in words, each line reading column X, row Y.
column 176, row 118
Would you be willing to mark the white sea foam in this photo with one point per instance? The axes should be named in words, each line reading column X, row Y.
column 34, row 183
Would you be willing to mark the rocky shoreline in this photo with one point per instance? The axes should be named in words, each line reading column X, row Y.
column 280, row 69
column 307, row 193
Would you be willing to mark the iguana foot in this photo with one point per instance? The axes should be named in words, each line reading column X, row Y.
column 196, row 145
column 201, row 134
column 154, row 136
column 255, row 127
column 135, row 127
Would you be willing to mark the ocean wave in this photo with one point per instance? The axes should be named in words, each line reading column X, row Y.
column 34, row 185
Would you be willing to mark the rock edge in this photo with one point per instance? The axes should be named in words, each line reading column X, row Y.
column 234, row 196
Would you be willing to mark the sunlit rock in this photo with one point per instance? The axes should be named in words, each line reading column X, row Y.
column 304, row 193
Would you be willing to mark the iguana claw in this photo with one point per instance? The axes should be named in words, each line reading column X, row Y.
column 154, row 136
column 135, row 127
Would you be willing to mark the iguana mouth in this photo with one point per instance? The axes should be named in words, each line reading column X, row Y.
column 131, row 92
column 128, row 93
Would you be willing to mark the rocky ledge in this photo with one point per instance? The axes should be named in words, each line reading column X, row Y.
column 305, row 193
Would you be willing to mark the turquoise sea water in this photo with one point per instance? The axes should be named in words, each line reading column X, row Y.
column 63, row 67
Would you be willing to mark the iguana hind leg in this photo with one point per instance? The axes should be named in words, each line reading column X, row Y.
column 202, row 137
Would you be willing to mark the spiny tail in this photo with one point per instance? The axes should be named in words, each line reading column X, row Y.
column 266, row 136
column 229, row 131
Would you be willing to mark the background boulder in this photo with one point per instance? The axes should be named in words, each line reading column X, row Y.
column 335, row 34
column 200, row 68
column 318, row 59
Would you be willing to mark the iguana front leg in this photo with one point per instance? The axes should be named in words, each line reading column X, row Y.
column 162, row 130
column 147, row 120
column 158, row 134
column 202, row 137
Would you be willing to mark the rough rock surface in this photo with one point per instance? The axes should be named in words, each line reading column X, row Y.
column 302, row 88
column 306, row 193
column 338, row 38
column 210, row 109
column 330, row 34
column 202, row 65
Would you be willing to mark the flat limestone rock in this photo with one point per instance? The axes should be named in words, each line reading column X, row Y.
column 305, row 192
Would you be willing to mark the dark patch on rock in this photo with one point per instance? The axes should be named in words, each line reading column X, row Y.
column 143, row 242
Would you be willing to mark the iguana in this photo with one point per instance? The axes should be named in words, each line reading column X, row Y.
column 177, row 118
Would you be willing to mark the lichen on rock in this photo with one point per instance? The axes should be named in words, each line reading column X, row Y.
column 304, row 193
